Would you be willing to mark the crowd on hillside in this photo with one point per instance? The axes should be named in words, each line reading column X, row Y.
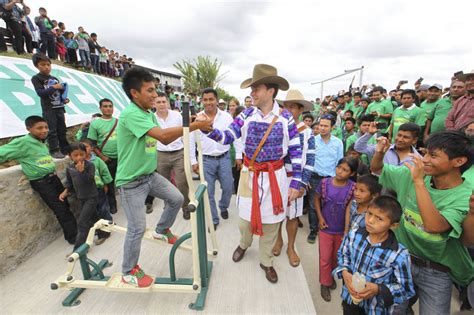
column 44, row 34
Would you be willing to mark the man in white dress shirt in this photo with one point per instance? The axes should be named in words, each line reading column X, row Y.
column 216, row 157
column 171, row 156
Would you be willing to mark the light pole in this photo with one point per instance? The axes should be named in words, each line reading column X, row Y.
column 346, row 72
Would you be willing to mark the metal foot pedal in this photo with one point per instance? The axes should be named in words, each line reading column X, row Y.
column 115, row 284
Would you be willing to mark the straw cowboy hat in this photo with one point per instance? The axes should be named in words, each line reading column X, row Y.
column 464, row 76
column 295, row 96
column 265, row 74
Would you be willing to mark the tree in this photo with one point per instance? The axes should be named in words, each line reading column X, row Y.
column 201, row 73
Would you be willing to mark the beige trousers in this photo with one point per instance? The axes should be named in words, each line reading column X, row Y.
column 265, row 243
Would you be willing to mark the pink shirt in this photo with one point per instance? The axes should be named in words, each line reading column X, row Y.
column 461, row 114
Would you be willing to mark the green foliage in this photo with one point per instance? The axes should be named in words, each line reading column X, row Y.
column 200, row 73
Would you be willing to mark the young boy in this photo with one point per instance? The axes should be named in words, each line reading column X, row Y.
column 435, row 199
column 103, row 180
column 80, row 178
column 137, row 132
column 103, row 133
column 53, row 97
column 373, row 252
column 39, row 168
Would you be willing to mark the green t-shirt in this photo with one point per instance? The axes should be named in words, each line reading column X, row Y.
column 453, row 204
column 357, row 109
column 337, row 132
column 102, row 173
column 469, row 176
column 136, row 150
column 439, row 114
column 33, row 155
column 79, row 135
column 382, row 108
column 352, row 139
column 401, row 116
column 99, row 130
column 428, row 107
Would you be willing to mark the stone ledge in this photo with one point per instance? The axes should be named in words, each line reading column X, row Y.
column 27, row 225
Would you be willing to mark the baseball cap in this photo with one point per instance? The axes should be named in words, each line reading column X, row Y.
column 436, row 85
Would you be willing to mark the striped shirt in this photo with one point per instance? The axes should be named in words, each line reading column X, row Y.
column 308, row 153
column 284, row 138
column 356, row 220
column 386, row 264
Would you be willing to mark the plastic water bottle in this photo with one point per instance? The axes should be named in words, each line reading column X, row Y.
column 358, row 282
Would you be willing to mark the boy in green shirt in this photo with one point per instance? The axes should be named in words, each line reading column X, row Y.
column 103, row 133
column 38, row 166
column 408, row 112
column 435, row 199
column 137, row 132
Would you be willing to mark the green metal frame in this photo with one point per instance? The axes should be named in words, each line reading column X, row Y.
column 93, row 271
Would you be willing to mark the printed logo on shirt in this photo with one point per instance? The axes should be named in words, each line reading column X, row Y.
column 45, row 161
column 414, row 224
column 150, row 145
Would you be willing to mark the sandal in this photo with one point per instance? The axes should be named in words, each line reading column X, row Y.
column 277, row 249
column 294, row 259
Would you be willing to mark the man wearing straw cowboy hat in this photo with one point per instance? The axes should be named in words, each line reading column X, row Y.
column 296, row 105
column 268, row 135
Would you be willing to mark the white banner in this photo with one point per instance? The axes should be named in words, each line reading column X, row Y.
column 18, row 99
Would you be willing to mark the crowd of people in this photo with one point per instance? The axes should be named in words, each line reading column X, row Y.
column 44, row 34
column 384, row 177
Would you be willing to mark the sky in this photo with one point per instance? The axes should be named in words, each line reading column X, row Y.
column 307, row 41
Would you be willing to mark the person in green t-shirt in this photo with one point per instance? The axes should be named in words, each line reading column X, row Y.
column 103, row 134
column 38, row 166
column 436, row 120
column 407, row 112
column 435, row 199
column 382, row 109
column 432, row 97
column 137, row 133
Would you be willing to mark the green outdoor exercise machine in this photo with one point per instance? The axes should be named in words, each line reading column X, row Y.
column 92, row 272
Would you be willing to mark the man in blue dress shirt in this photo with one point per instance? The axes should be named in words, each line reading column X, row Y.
column 329, row 150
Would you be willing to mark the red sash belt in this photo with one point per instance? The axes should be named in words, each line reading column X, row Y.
column 257, row 168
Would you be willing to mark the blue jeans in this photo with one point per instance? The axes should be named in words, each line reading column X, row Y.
column 221, row 170
column 133, row 197
column 433, row 289
column 95, row 63
column 312, row 216
column 85, row 58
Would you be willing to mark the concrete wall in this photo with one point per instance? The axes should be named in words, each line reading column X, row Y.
column 26, row 224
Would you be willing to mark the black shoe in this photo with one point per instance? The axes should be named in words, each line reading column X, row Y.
column 149, row 208
column 312, row 237
column 113, row 210
column 325, row 293
column 215, row 227
column 57, row 155
column 225, row 215
column 186, row 214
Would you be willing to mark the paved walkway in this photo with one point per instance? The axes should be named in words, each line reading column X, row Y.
column 234, row 288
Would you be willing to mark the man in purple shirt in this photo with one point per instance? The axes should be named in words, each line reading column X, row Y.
column 399, row 152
